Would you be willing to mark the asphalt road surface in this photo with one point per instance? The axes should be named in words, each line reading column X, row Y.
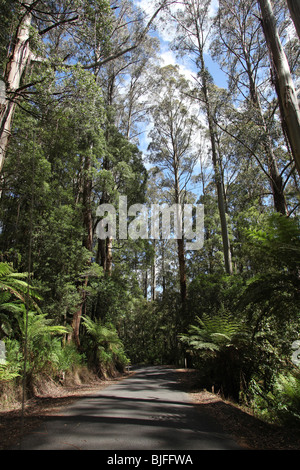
column 142, row 412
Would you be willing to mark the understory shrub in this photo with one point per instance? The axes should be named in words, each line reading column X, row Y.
column 282, row 404
column 104, row 349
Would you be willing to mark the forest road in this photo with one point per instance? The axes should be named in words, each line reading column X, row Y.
column 145, row 411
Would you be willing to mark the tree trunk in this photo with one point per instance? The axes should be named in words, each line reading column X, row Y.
column 87, row 243
column 276, row 181
column 220, row 193
column 14, row 72
column 284, row 85
column 294, row 7
column 215, row 159
column 146, row 283
column 163, row 270
column 180, row 241
column 182, row 274
column 108, row 256
column 153, row 274
column 86, row 202
column 74, row 336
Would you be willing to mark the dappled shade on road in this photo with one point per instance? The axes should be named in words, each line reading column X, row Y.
column 146, row 411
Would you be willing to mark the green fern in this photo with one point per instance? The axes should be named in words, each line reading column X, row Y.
column 38, row 325
column 6, row 375
column 38, row 333
column 103, row 335
column 287, row 393
column 281, row 240
column 14, row 283
column 283, row 403
column 106, row 342
column 215, row 333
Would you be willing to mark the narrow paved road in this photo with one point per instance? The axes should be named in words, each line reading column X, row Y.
column 142, row 412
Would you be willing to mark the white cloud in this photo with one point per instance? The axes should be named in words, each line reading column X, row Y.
column 166, row 33
column 168, row 57
column 214, row 7
column 146, row 6
column 166, row 29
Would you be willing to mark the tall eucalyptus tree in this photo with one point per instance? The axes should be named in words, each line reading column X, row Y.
column 240, row 49
column 284, row 85
column 192, row 39
column 172, row 146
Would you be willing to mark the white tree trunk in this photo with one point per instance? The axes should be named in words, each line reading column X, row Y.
column 15, row 68
column 284, row 84
column 294, row 7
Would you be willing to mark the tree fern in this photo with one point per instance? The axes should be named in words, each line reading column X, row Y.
column 106, row 342
column 104, row 335
column 14, row 284
column 215, row 333
column 36, row 326
column 280, row 240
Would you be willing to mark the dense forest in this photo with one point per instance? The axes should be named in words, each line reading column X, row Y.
column 92, row 117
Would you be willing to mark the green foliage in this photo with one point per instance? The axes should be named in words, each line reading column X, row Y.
column 271, row 299
column 105, row 349
column 9, row 15
column 6, row 375
column 64, row 357
column 36, row 337
column 12, row 367
column 9, row 365
column 282, row 403
column 221, row 345
column 287, row 396
column 149, row 330
column 251, row 321
column 279, row 241
column 216, row 333
column 14, row 284
column 69, row 152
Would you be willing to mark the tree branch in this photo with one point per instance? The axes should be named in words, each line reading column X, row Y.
column 70, row 20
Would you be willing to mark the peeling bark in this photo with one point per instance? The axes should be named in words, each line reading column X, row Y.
column 16, row 66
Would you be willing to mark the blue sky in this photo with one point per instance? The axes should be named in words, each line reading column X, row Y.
column 166, row 35
column 186, row 66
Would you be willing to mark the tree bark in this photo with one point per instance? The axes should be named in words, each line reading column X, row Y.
column 16, row 65
column 218, row 178
column 182, row 274
column 153, row 274
column 86, row 202
column 87, row 243
column 276, row 181
column 74, row 336
column 109, row 256
column 284, row 85
column 294, row 7
column 180, row 241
